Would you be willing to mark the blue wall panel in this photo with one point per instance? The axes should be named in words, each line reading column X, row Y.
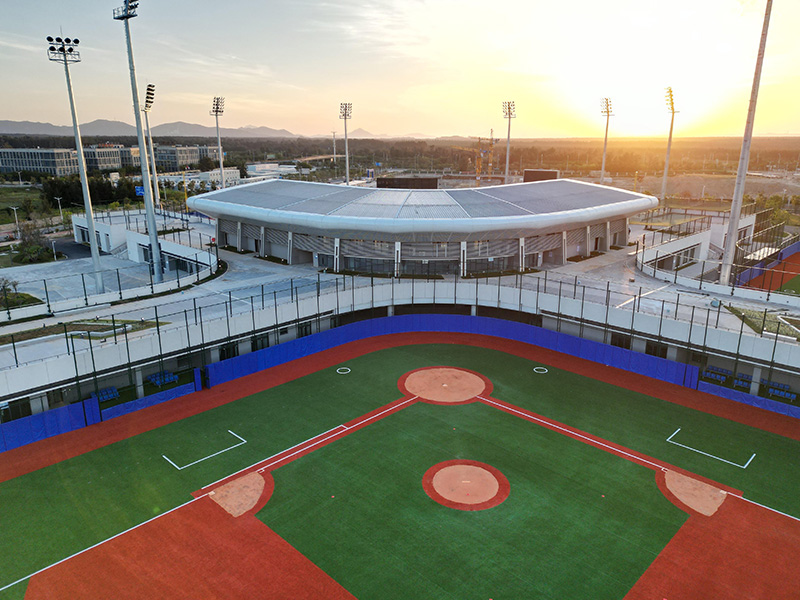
column 745, row 398
column 92, row 409
column 17, row 433
column 152, row 400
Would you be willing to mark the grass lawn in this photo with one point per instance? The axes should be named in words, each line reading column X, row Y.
column 72, row 505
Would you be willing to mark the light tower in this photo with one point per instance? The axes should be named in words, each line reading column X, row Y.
column 744, row 160
column 149, row 97
column 217, row 108
column 346, row 112
column 671, row 109
column 65, row 51
column 509, row 112
column 605, row 108
column 334, row 154
column 125, row 13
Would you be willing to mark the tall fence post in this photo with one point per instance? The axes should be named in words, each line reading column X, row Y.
column 85, row 296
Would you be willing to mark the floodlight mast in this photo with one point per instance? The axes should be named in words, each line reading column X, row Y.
column 125, row 13
column 744, row 160
column 149, row 98
column 671, row 108
column 217, row 108
column 509, row 112
column 65, row 51
column 346, row 112
column 605, row 109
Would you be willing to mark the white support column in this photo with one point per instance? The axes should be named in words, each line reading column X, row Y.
column 239, row 236
column 563, row 247
column 263, row 241
column 589, row 247
column 217, row 233
column 289, row 243
column 521, row 254
column 137, row 377
column 463, row 259
column 397, row 258
column 336, row 248
column 608, row 237
column 756, row 383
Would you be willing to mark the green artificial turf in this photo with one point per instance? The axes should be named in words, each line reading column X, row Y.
column 578, row 523
column 59, row 510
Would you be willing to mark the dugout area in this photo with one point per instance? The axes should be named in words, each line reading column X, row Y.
column 342, row 513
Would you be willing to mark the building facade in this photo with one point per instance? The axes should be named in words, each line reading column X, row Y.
column 397, row 232
column 58, row 162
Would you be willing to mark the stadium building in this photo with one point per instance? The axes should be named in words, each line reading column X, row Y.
column 390, row 231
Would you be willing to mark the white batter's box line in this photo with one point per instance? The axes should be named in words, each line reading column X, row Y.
column 242, row 442
column 671, row 441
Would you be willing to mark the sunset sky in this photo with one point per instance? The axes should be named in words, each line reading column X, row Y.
column 435, row 67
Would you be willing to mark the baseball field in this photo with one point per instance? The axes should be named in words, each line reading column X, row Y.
column 420, row 466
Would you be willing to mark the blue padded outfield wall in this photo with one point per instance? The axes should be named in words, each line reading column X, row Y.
column 636, row 362
column 745, row 398
column 48, row 423
column 151, row 400
column 759, row 268
column 27, row 430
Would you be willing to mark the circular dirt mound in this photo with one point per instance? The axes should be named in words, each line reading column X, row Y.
column 466, row 485
column 445, row 385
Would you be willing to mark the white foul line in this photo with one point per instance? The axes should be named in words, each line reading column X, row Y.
column 96, row 545
column 669, row 439
column 346, row 428
column 570, row 432
column 244, row 441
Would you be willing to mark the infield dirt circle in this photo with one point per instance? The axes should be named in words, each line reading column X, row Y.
column 445, row 385
column 466, row 485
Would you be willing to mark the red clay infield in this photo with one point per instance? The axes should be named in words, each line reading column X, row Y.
column 466, row 485
column 198, row 551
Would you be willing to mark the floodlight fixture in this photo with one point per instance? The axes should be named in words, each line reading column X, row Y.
column 63, row 51
column 345, row 113
column 671, row 108
column 125, row 13
column 509, row 112
column 605, row 109
column 149, row 97
column 217, row 108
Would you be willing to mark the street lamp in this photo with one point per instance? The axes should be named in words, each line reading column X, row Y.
column 60, row 212
column 65, row 51
column 605, row 109
column 346, row 112
column 149, row 97
column 744, row 160
column 509, row 112
column 15, row 209
column 217, row 107
column 671, row 108
column 125, row 13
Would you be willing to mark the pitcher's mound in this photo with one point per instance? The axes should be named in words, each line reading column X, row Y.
column 444, row 385
column 466, row 485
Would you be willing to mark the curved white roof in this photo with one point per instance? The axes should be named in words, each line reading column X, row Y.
column 495, row 212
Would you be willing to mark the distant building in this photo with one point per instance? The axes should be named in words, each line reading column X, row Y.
column 177, row 158
column 231, row 177
column 58, row 162
column 103, row 157
column 130, row 157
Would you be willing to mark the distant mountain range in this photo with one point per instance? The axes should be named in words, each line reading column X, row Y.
column 103, row 127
